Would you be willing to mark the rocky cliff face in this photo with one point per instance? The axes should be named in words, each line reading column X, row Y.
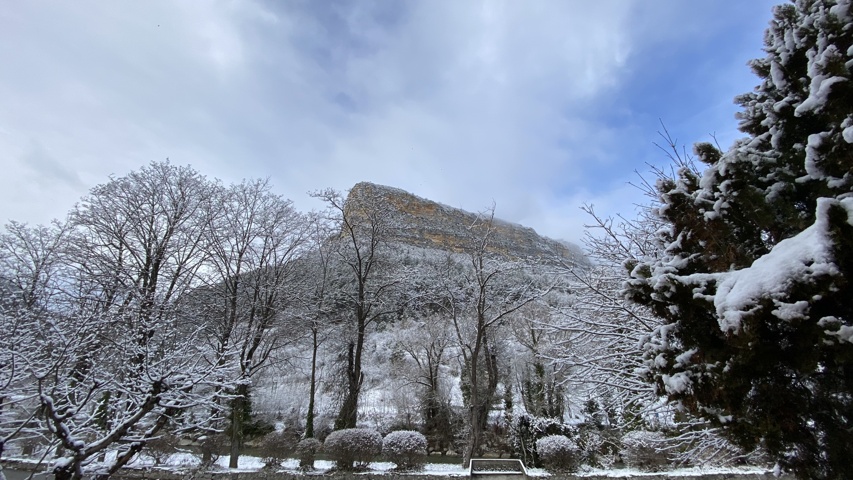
column 427, row 224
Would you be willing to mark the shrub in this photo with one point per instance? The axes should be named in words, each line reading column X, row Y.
column 598, row 448
column 558, row 453
column 306, row 450
column 590, row 441
column 406, row 448
column 353, row 447
column 162, row 447
column 640, row 449
column 29, row 445
column 526, row 429
column 211, row 447
column 274, row 448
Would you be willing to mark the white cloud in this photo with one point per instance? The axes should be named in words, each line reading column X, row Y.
column 465, row 105
column 460, row 102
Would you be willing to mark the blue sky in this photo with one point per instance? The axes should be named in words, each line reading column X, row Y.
column 537, row 106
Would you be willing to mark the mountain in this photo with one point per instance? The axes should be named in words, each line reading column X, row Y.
column 427, row 224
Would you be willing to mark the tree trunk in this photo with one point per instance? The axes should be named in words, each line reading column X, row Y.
column 474, row 436
column 238, row 404
column 206, row 456
column 481, row 400
column 309, row 419
column 348, row 415
column 473, row 414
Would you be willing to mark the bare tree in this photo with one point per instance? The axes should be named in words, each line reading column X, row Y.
column 599, row 330
column 428, row 342
column 255, row 236
column 362, row 249
column 30, row 267
column 601, row 334
column 482, row 293
column 108, row 364
column 30, row 262
column 539, row 381
column 319, row 295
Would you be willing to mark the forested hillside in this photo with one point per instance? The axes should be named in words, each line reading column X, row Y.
column 167, row 302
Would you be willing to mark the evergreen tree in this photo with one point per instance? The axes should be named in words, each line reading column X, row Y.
column 754, row 277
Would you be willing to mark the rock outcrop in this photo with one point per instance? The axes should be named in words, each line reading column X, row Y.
column 424, row 223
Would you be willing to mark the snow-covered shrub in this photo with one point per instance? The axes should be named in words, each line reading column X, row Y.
column 406, row 448
column 353, row 447
column 598, row 448
column 642, row 449
column 558, row 453
column 162, row 447
column 526, row 429
column 274, row 448
column 306, row 450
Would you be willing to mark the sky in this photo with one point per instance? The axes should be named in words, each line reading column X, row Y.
column 537, row 107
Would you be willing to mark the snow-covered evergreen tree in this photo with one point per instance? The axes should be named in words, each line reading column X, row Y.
column 754, row 278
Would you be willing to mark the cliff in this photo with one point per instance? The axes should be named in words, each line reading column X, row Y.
column 424, row 223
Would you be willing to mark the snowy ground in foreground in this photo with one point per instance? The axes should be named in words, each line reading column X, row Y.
column 251, row 464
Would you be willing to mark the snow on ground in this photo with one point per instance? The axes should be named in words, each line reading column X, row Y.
column 291, row 465
column 185, row 460
column 251, row 464
column 676, row 473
